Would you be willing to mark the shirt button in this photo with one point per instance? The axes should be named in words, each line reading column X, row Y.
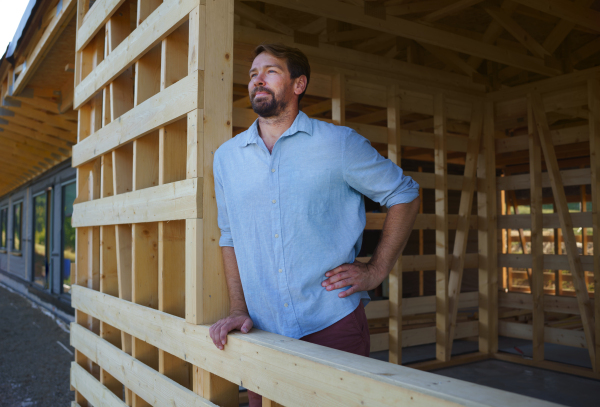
column 276, row 235
column 280, row 270
column 273, row 170
column 285, row 305
column 273, row 201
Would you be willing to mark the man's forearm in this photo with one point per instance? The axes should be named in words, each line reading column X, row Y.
column 237, row 301
column 394, row 236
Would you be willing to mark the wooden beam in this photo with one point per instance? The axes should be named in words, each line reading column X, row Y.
column 487, row 237
column 510, row 25
column 338, row 99
column 450, row 9
column 418, row 32
column 206, row 294
column 594, row 123
column 537, row 237
column 568, row 10
column 464, row 212
column 395, row 278
column 261, row 19
column 416, row 7
column 441, row 229
column 566, row 223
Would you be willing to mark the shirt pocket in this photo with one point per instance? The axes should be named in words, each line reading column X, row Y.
column 309, row 191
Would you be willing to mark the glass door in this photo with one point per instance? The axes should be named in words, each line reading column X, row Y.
column 41, row 238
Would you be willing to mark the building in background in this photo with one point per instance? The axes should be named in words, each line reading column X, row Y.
column 37, row 129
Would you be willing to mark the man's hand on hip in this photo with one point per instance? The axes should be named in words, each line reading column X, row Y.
column 360, row 276
column 239, row 320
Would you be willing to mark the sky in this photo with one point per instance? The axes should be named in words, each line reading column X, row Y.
column 11, row 12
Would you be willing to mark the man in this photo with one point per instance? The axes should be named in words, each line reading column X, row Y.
column 289, row 192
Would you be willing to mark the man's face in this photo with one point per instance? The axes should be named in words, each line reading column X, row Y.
column 271, row 88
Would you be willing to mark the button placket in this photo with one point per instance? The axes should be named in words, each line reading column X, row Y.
column 284, row 295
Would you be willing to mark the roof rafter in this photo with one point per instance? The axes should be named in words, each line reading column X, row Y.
column 567, row 10
column 450, row 9
column 418, row 32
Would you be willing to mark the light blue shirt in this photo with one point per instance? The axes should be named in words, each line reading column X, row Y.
column 293, row 214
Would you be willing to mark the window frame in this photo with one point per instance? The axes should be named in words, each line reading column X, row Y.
column 4, row 224
column 14, row 250
column 62, row 234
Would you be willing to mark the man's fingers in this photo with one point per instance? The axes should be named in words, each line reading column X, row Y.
column 337, row 270
column 247, row 326
column 334, row 279
column 348, row 292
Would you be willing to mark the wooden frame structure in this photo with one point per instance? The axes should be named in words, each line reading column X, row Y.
column 158, row 87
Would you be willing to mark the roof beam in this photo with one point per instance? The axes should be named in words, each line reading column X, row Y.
column 48, row 148
column 251, row 14
column 45, row 118
column 567, row 10
column 417, row 7
column 38, row 103
column 418, row 32
column 450, row 9
column 24, row 131
column 40, row 127
column 58, row 23
column 510, row 25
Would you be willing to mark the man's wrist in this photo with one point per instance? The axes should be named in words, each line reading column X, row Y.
column 379, row 272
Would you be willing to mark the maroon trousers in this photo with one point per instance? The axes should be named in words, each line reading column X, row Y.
column 349, row 334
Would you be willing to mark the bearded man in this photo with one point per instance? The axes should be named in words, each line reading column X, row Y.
column 289, row 192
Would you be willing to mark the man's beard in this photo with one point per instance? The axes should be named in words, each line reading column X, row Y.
column 264, row 107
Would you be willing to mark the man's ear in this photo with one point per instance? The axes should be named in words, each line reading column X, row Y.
column 300, row 84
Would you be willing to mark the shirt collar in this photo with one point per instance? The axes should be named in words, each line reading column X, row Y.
column 301, row 124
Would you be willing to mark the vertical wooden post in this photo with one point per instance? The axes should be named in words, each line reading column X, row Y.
column 395, row 277
column 464, row 216
column 338, row 96
column 537, row 237
column 594, row 123
column 108, row 272
column 421, row 244
column 487, row 236
column 441, row 229
column 206, row 289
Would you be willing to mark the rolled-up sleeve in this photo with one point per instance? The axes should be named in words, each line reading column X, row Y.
column 222, row 218
column 374, row 176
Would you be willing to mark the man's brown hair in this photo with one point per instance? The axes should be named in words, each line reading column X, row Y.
column 297, row 63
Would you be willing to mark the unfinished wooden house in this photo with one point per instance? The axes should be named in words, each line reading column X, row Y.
column 493, row 107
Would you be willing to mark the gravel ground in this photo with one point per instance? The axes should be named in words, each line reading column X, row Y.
column 34, row 368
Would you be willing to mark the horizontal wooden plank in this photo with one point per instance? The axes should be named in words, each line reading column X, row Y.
column 173, row 201
column 549, row 221
column 424, row 221
column 551, row 261
column 576, row 134
column 163, row 108
column 96, row 17
column 164, row 20
column 554, row 101
column 243, row 117
column 422, row 336
column 292, row 372
column 427, row 179
column 578, row 176
column 153, row 387
column 552, row 303
column 417, row 305
column 91, row 389
column 557, row 336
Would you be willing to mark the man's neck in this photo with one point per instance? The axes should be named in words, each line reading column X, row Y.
column 271, row 128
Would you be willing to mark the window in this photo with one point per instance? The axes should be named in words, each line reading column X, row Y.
column 17, row 226
column 68, row 236
column 41, row 238
column 3, row 227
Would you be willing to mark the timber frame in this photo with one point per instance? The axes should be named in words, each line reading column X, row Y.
column 159, row 85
